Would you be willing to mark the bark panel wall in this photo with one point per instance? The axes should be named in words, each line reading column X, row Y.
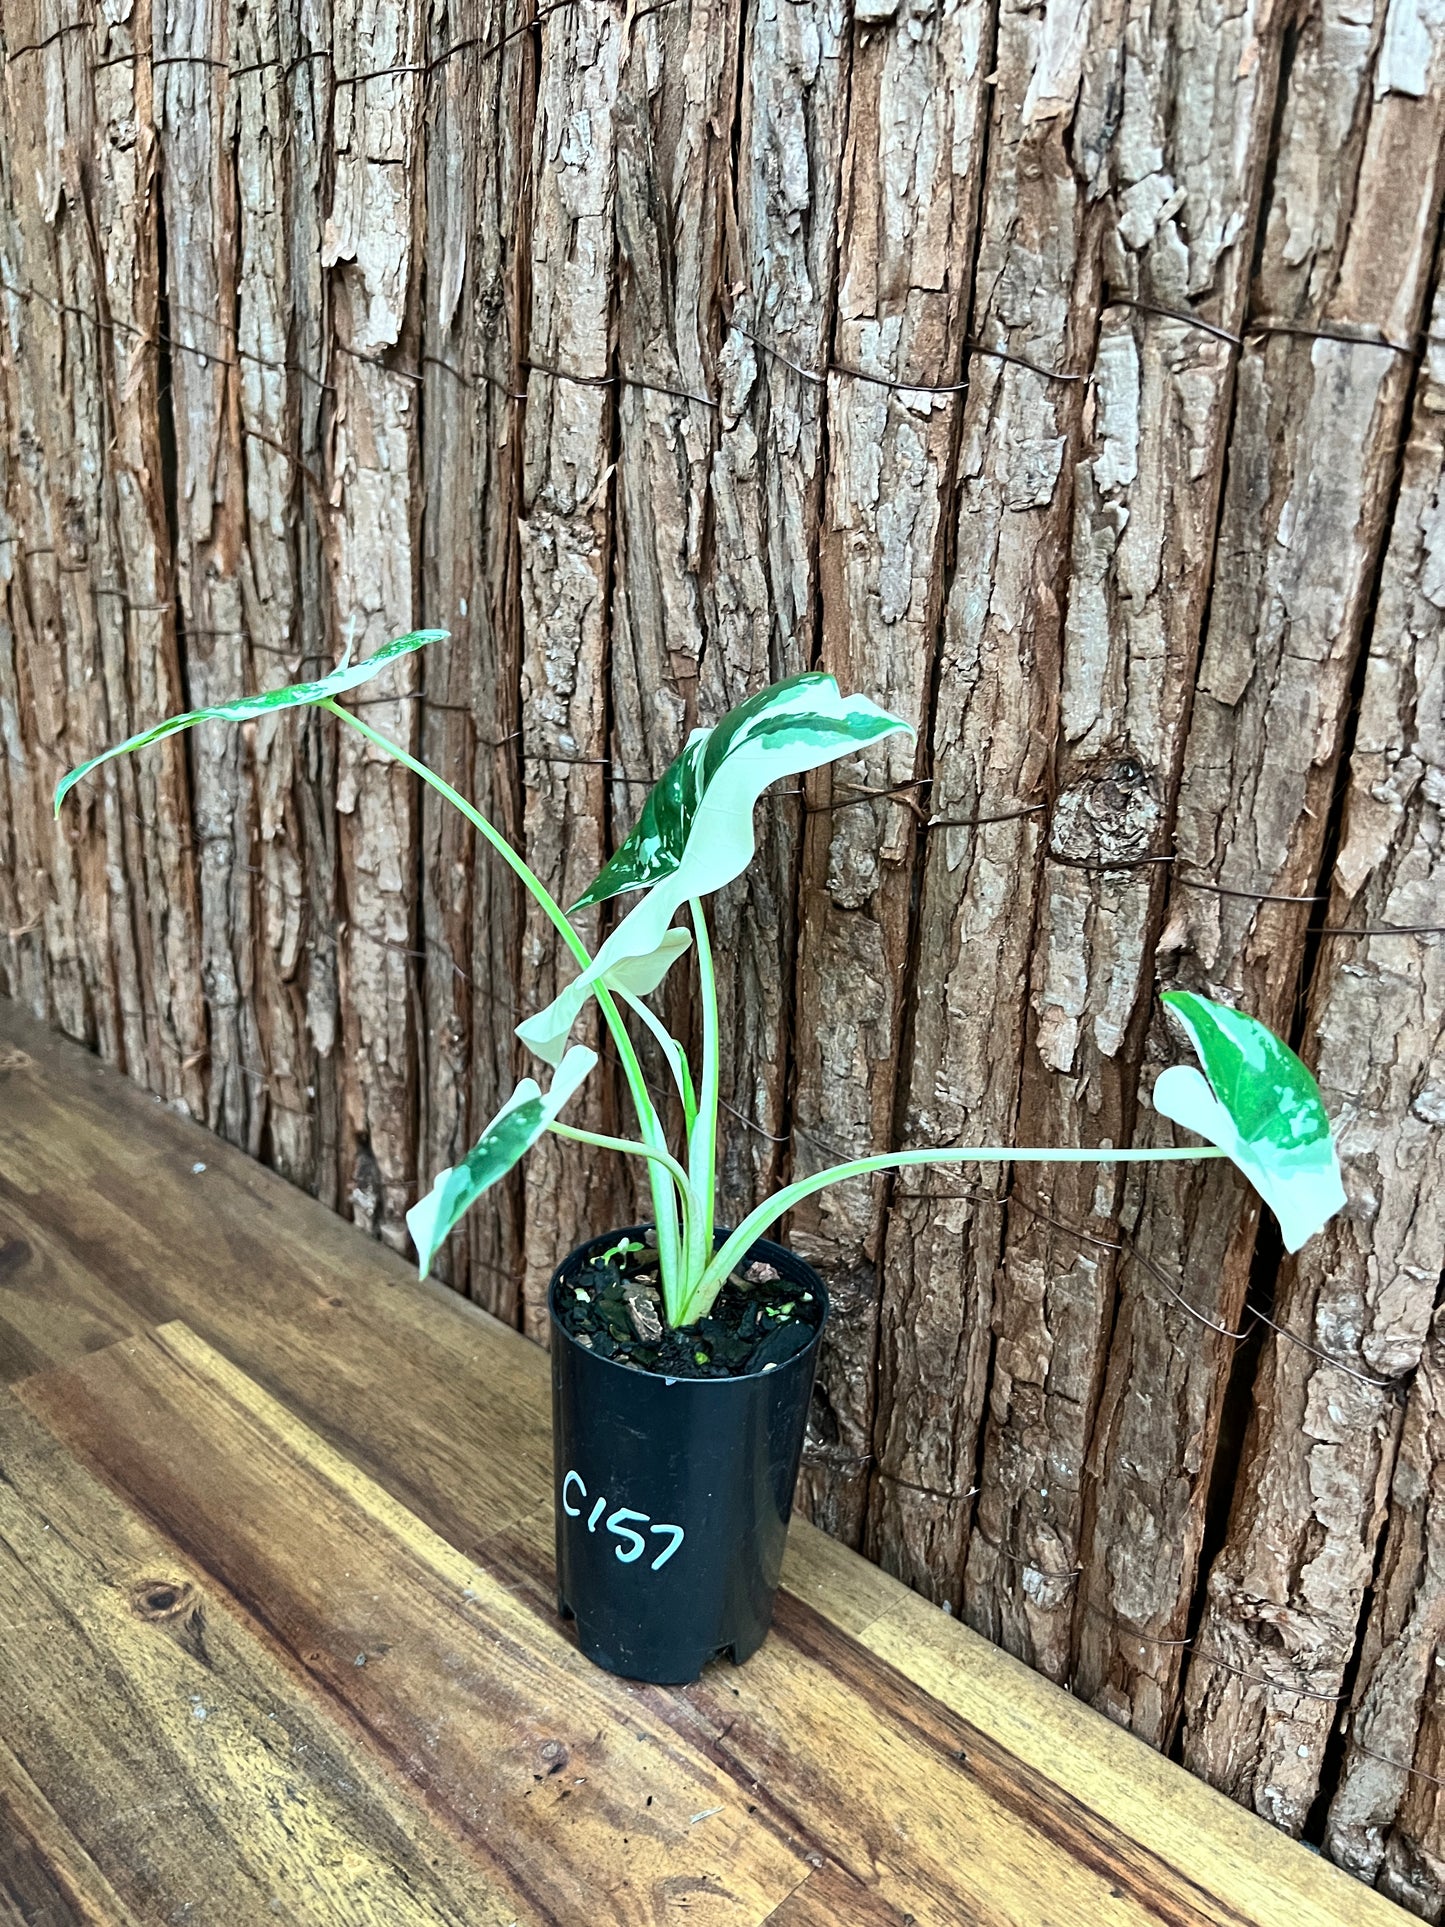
column 1067, row 376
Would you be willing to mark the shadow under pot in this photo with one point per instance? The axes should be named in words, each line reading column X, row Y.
column 673, row 1494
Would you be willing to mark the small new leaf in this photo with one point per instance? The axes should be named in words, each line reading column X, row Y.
column 695, row 831
column 510, row 1135
column 1261, row 1107
column 347, row 675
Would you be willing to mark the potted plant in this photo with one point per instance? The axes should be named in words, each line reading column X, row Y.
column 683, row 1354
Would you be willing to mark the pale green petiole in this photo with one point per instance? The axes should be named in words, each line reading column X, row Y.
column 665, row 1201
column 672, row 1052
column 1253, row 1101
column 767, row 1214
column 702, row 1134
column 631, row 1148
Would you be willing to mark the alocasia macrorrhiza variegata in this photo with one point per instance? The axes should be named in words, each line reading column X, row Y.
column 1254, row 1101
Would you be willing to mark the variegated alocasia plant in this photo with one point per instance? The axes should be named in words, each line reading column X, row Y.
column 1254, row 1102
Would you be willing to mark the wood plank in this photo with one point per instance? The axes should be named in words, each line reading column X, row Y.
column 1246, row 1865
column 108, row 1230
column 160, row 1759
column 47, row 1879
column 567, row 1786
column 460, row 1675
column 778, row 1726
column 1205, row 1837
column 392, row 1382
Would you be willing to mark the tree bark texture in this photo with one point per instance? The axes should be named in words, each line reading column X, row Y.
column 1067, row 377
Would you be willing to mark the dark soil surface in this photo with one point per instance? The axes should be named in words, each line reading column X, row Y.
column 613, row 1306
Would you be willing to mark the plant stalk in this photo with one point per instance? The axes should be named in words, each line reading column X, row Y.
column 666, row 1201
column 702, row 1137
column 732, row 1252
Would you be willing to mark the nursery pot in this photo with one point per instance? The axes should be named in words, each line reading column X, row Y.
column 673, row 1494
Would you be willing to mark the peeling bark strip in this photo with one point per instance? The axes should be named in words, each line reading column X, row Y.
column 674, row 158
column 198, row 197
column 766, row 488
column 275, row 342
column 906, row 231
column 566, row 532
column 477, row 135
column 1146, row 492
column 1036, row 291
column 368, row 246
column 289, row 1084
column 1313, row 458
column 106, row 939
column 1286, row 1591
column 1385, row 1821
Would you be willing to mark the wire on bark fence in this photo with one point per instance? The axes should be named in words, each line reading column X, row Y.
column 515, row 390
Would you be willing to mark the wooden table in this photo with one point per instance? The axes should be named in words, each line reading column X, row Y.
column 277, row 1636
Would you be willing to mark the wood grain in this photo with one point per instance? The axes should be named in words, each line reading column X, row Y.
column 329, row 1527
column 461, row 1679
column 273, row 279
column 173, row 1761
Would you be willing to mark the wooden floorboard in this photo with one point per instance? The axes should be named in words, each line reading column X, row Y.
column 277, row 1634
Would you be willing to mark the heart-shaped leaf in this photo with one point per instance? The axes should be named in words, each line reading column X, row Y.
column 346, row 675
column 508, row 1138
column 695, row 831
column 1261, row 1107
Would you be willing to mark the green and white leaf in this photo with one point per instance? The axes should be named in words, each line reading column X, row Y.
column 695, row 832
column 510, row 1135
column 346, row 675
column 1261, row 1107
column 633, row 975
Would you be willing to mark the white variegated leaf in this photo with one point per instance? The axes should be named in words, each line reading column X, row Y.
column 695, row 831
column 245, row 709
column 1261, row 1107
column 509, row 1136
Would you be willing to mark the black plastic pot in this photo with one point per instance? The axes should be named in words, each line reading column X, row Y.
column 673, row 1495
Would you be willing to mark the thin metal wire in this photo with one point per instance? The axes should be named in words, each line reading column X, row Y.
column 970, row 347
column 1353, row 334
column 1246, row 896
column 39, row 46
column 1346, row 333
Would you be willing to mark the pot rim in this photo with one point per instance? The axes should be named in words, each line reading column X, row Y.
column 760, row 1246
